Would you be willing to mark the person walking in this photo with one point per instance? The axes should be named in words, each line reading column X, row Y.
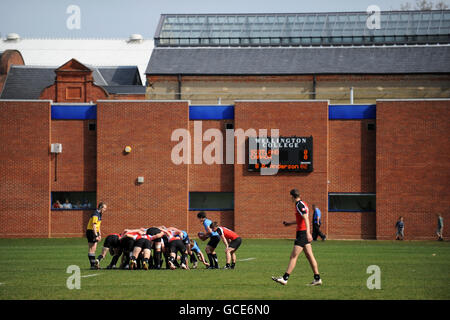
column 302, row 241
column 440, row 227
column 317, row 222
column 400, row 225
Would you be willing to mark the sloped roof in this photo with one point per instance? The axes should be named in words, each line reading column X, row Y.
column 300, row 60
column 27, row 82
column 95, row 52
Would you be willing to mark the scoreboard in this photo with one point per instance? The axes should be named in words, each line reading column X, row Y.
column 286, row 154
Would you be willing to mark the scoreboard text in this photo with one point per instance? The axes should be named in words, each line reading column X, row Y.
column 288, row 154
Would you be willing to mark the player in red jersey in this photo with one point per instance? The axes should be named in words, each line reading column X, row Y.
column 111, row 244
column 142, row 245
column 302, row 241
column 232, row 242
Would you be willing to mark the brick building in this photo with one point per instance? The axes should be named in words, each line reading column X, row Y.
column 373, row 161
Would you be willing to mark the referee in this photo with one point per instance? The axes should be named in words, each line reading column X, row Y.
column 93, row 233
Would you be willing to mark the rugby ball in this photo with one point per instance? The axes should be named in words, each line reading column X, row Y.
column 202, row 236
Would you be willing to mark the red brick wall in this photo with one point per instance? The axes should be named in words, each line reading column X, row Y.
column 25, row 168
column 146, row 127
column 263, row 202
column 210, row 177
column 351, row 156
column 69, row 223
column 351, row 225
column 76, row 165
column 352, row 149
column 60, row 91
column 413, row 166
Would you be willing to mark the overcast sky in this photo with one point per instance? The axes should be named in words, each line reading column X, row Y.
column 120, row 18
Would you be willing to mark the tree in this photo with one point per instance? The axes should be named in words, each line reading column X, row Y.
column 441, row 5
column 423, row 5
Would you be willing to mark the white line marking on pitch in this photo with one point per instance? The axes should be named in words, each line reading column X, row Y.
column 90, row 275
column 248, row 259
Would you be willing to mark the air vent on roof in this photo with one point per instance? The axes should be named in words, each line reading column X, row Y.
column 135, row 38
column 12, row 37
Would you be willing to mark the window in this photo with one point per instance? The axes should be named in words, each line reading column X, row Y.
column 212, row 201
column 92, row 126
column 73, row 200
column 352, row 202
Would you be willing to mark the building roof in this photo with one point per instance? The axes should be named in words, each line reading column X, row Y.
column 27, row 82
column 97, row 52
column 300, row 60
column 304, row 29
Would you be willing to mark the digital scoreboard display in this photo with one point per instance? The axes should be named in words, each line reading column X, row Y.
column 286, row 154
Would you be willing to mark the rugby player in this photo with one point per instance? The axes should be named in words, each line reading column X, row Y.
column 176, row 245
column 195, row 249
column 302, row 241
column 214, row 240
column 232, row 242
column 111, row 244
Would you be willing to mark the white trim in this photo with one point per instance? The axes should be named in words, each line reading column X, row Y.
column 188, row 101
column 72, row 103
column 424, row 99
column 284, row 100
column 27, row 100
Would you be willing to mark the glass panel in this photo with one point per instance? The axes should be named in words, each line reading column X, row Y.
column 211, row 201
column 352, row 202
column 74, row 200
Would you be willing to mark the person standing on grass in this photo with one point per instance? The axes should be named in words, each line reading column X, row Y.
column 317, row 222
column 440, row 227
column 400, row 225
column 93, row 233
column 232, row 242
column 302, row 241
column 214, row 240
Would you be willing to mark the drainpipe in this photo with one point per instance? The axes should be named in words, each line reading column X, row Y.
column 314, row 85
column 178, row 94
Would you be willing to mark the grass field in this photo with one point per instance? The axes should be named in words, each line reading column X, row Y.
column 36, row 269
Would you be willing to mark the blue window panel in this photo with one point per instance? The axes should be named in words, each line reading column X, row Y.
column 74, row 112
column 352, row 111
column 211, row 112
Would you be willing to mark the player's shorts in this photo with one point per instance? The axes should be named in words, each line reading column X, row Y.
column 152, row 231
column 165, row 241
column 301, row 239
column 127, row 244
column 112, row 241
column 236, row 243
column 143, row 244
column 90, row 235
column 213, row 241
column 177, row 245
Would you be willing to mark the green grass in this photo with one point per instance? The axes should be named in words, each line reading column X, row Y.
column 36, row 269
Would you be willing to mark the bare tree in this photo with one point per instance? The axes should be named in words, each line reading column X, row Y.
column 424, row 5
column 441, row 5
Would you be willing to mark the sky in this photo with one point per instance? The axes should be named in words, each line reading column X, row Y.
column 121, row 18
